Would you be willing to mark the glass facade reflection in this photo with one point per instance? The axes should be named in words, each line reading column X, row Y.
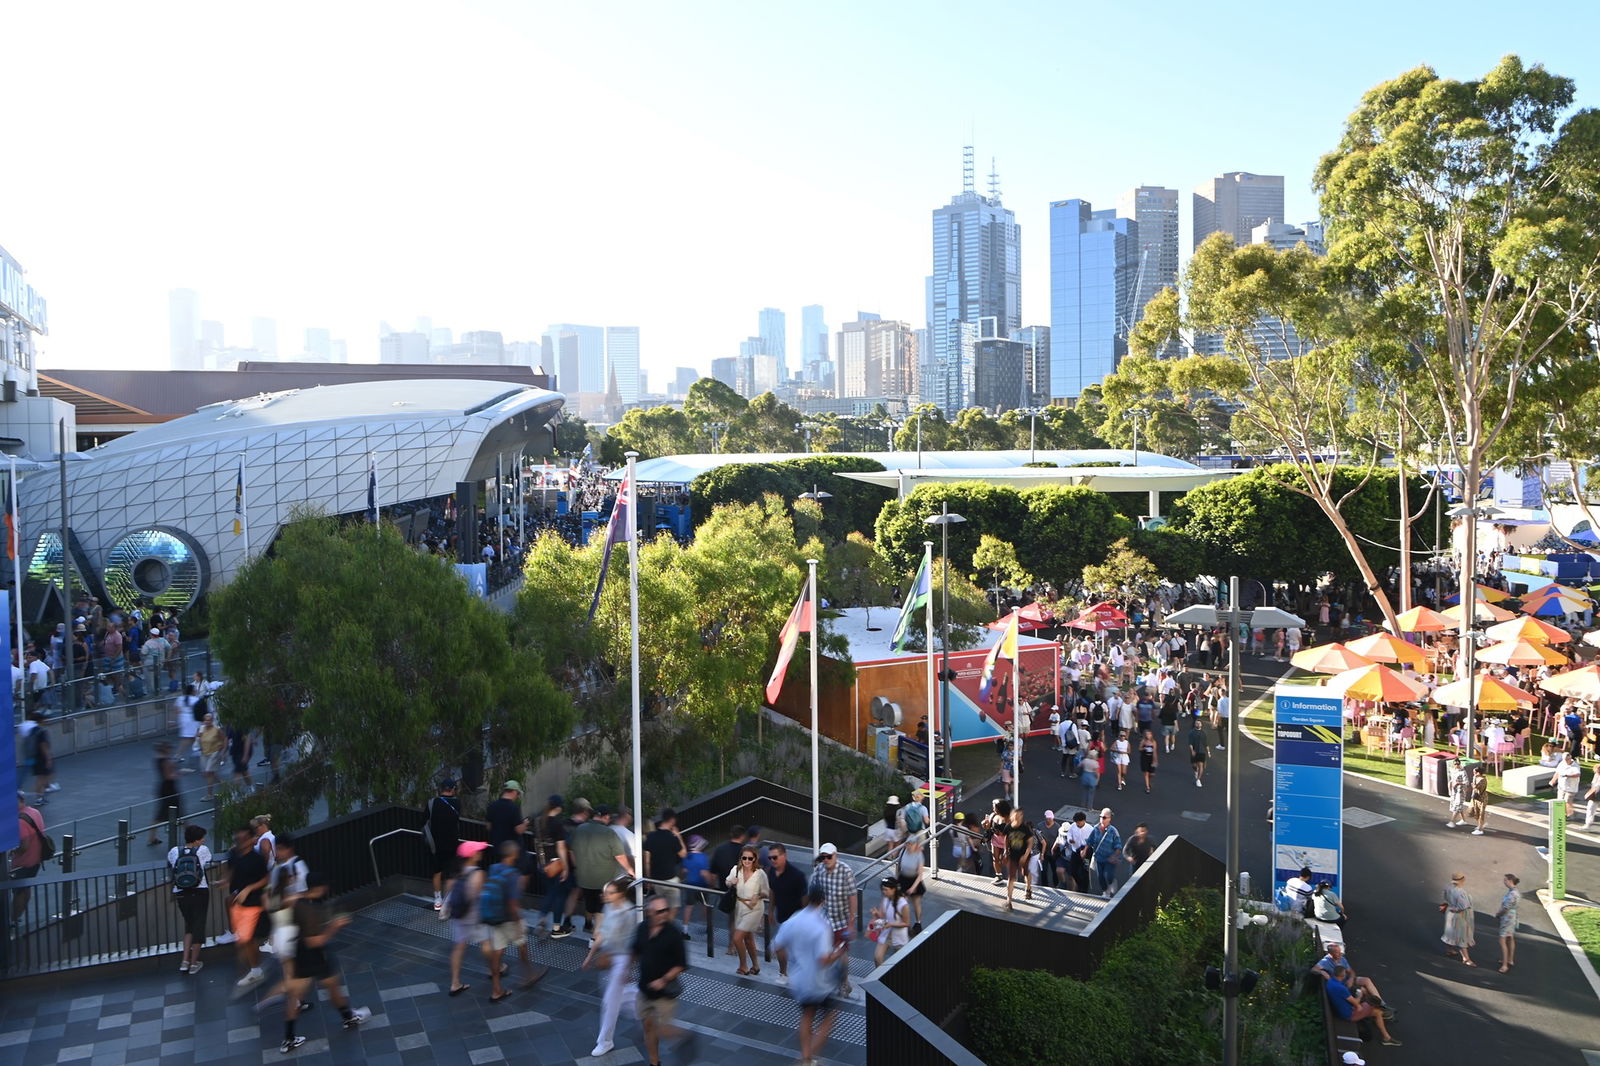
column 1093, row 261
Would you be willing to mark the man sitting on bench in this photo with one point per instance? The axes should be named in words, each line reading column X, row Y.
column 1334, row 960
column 1356, row 1007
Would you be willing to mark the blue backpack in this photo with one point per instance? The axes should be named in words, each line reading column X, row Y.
column 494, row 902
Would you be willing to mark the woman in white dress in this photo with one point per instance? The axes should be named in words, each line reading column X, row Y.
column 1119, row 758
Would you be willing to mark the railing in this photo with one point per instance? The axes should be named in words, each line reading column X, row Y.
column 784, row 812
column 100, row 688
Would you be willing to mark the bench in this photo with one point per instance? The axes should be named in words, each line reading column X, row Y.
column 1526, row 780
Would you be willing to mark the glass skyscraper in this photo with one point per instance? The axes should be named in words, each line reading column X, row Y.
column 1094, row 259
column 774, row 330
column 622, row 361
column 813, row 344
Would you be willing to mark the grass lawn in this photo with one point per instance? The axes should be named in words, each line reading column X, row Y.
column 1585, row 922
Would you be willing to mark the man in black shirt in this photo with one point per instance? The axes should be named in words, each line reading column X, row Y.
column 726, row 856
column 659, row 951
column 247, row 877
column 788, row 887
column 505, row 817
column 444, row 826
column 664, row 850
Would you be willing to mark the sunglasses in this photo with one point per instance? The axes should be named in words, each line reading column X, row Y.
column 747, row 858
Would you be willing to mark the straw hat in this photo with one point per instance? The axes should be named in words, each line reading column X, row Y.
column 1458, row 877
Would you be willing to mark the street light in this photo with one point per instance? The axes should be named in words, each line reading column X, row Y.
column 1033, row 414
column 944, row 520
column 1467, row 596
column 806, row 428
column 1231, row 986
column 816, row 494
column 1137, row 415
column 716, row 429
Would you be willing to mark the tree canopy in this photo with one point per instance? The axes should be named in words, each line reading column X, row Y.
column 853, row 505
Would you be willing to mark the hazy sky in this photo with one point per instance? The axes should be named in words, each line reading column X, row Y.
column 674, row 166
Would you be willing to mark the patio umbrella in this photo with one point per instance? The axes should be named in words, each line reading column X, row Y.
column 1481, row 612
column 1387, row 648
column 1099, row 617
column 1029, row 618
column 1592, row 638
column 1553, row 604
column 1522, row 653
column 1582, row 683
column 1528, row 629
column 1484, row 593
column 1492, row 694
column 1565, row 590
column 1329, row 659
column 1423, row 620
column 1377, row 682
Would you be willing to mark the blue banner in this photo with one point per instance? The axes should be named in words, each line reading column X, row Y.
column 10, row 827
column 1308, row 784
column 476, row 575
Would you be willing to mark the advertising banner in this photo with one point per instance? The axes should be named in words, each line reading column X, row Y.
column 476, row 575
column 1558, row 849
column 1308, row 786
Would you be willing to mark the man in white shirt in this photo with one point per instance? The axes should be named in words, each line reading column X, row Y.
column 1220, row 718
column 191, row 893
column 1167, row 684
column 1077, row 834
column 38, row 680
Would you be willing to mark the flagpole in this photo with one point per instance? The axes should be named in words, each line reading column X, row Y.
column 633, row 627
column 244, row 509
column 933, row 722
column 816, row 755
column 16, row 557
column 1016, row 709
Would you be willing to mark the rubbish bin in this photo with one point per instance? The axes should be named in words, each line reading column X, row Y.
column 1413, row 768
column 1436, row 766
column 886, row 743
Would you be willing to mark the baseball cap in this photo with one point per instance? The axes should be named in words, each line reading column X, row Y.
column 512, row 786
column 828, row 849
column 1352, row 1059
column 468, row 848
column 603, row 810
column 556, row 801
column 446, row 784
column 581, row 804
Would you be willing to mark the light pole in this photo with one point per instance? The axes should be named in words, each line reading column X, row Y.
column 806, row 428
column 1467, row 596
column 1033, row 417
column 716, row 429
column 919, row 440
column 816, row 494
column 944, row 520
column 1230, row 889
column 1137, row 415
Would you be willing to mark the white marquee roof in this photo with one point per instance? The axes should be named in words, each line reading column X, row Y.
column 682, row 469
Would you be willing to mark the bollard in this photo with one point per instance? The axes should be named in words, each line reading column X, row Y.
column 68, row 855
column 124, row 842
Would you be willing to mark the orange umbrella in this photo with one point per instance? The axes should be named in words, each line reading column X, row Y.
column 1424, row 620
column 1522, row 653
column 1329, row 659
column 1530, row 629
column 1492, row 694
column 1481, row 612
column 1387, row 648
column 1582, row 683
column 1377, row 682
column 1555, row 588
column 1555, row 603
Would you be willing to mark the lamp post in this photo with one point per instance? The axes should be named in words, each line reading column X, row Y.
column 806, row 428
column 1033, row 417
column 716, row 429
column 1230, row 889
column 816, row 494
column 1467, row 589
column 1137, row 415
column 944, row 520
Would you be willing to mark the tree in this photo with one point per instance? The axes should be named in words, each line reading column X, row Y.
column 1125, row 576
column 857, row 575
column 976, row 430
column 854, row 505
column 926, row 428
column 999, row 558
column 570, row 435
column 1067, row 527
column 710, row 401
column 657, row 431
column 767, row 424
column 379, row 661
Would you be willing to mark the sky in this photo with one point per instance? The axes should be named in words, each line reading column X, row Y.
column 507, row 165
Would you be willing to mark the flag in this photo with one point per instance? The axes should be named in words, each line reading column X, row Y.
column 238, row 500
column 12, row 520
column 1005, row 648
column 616, row 533
column 917, row 596
column 581, row 461
column 800, row 621
column 372, row 488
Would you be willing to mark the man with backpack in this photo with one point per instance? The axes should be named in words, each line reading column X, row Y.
column 913, row 818
column 187, row 867
column 442, row 833
column 500, row 910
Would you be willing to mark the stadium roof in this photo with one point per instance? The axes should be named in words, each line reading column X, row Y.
column 682, row 469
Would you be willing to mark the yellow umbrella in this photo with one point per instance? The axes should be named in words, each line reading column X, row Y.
column 1387, row 648
column 1522, row 653
column 1564, row 590
column 1377, row 682
column 1530, row 629
column 1493, row 595
column 1481, row 612
column 1582, row 683
column 1492, row 694
column 1424, row 620
column 1328, row 659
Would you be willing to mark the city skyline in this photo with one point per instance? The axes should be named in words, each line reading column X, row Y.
column 352, row 240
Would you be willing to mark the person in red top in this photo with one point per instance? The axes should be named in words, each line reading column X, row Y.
column 29, row 854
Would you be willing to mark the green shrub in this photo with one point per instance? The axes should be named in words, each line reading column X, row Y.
column 1030, row 1017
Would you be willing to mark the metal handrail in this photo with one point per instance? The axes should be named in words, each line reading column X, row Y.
column 754, row 799
column 372, row 851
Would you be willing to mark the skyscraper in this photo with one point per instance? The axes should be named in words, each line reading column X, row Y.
column 1236, row 203
column 622, row 361
column 976, row 277
column 319, row 343
column 1001, row 380
column 586, row 370
column 726, row 371
column 1156, row 211
column 264, row 335
column 774, row 330
column 683, row 380
column 813, row 343
column 1277, row 339
column 183, row 316
column 403, row 348
column 1036, row 370
column 1093, row 264
column 875, row 358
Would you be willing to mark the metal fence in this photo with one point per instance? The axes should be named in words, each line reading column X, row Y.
column 783, row 814
column 109, row 707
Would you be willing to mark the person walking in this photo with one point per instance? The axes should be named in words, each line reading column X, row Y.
column 1089, row 772
column 188, row 726
column 461, row 907
column 1139, row 848
column 911, row 870
column 660, row 953
column 1147, row 757
column 1045, row 850
column 505, row 817
column 1565, row 779
column 43, row 760
column 212, row 743
column 246, row 880
column 187, row 865
column 555, row 864
column 1219, row 717
column 1103, row 848
column 788, row 887
column 1478, row 800
column 748, row 883
column 500, row 909
column 314, row 960
column 612, row 948
column 1507, row 915
column 26, row 858
column 808, row 940
column 1458, row 919
column 1077, row 837
column 1197, row 751
column 839, row 882
column 597, row 855
column 890, row 920
column 1020, row 842
column 1458, row 796
column 442, row 834
column 168, row 804
column 1119, row 758
column 664, row 852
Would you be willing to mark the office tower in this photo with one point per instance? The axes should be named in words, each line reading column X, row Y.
column 264, row 336
column 726, row 371
column 558, row 351
column 1156, row 211
column 1236, row 203
column 1036, row 369
column 683, row 379
column 403, row 348
column 211, row 335
column 523, row 353
column 813, row 343
column 774, row 329
column 338, row 351
column 482, row 347
column 1275, row 338
column 423, row 325
column 924, row 365
column 850, row 360
column 1093, row 265
column 622, row 362
column 875, row 358
column 319, row 344
column 975, row 288
column 1283, row 236
column 587, row 372
column 183, row 318
column 440, row 338
column 1000, row 380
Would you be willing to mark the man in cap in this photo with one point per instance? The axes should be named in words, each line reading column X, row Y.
column 1046, row 831
column 504, row 815
column 838, row 881
column 443, row 833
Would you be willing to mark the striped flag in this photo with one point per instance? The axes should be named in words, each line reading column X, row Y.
column 1005, row 648
column 917, row 596
column 616, row 533
column 238, row 500
column 801, row 620
column 13, row 516
column 372, row 488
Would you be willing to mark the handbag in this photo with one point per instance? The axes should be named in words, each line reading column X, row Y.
column 729, row 897
column 47, row 843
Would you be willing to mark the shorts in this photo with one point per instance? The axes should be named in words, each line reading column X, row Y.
column 24, row 873
column 1362, row 1010
column 243, row 920
column 284, row 939
column 592, row 903
column 314, row 964
column 465, row 932
column 1169, row 730
column 1197, row 758
column 907, row 882
column 439, row 861
column 673, row 896
column 504, row 936
column 210, row 764
column 658, row 1010
column 194, row 904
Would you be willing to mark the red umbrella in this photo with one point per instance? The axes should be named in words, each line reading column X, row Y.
column 1100, row 617
column 1033, row 616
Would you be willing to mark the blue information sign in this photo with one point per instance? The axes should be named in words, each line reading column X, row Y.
column 1308, row 787
column 10, row 827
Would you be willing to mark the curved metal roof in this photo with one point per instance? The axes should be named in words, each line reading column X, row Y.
column 682, row 469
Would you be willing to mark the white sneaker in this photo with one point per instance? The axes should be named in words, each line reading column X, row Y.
column 195, row 967
column 783, row 979
column 1477, row 832
column 55, row 786
column 438, row 902
column 251, row 979
column 266, row 949
column 357, row 1016
column 183, row 967
column 1450, row 825
column 602, row 1049
column 226, row 938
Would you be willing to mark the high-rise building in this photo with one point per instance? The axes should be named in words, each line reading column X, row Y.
column 587, row 370
column 1000, row 374
column 1236, row 203
column 183, row 318
column 975, row 288
column 1283, row 236
column 774, row 330
column 875, row 358
column 1275, row 338
column 813, row 343
column 683, row 380
column 338, row 351
column 319, row 343
column 483, row 347
column 523, row 353
column 622, row 362
column 1156, row 211
column 1036, row 369
column 558, row 351
column 726, row 371
column 264, row 335
column 403, row 348
column 1093, row 264
column 211, row 335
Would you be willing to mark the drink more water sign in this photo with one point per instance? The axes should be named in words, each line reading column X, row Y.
column 1308, row 786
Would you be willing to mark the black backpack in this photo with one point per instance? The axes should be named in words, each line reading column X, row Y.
column 187, row 873
column 202, row 707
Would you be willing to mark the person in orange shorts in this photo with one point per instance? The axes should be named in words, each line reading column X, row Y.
column 246, row 879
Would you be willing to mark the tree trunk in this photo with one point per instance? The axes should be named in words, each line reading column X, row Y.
column 1405, row 528
column 1374, row 587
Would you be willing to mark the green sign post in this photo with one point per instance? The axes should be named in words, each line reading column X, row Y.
column 1558, row 849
